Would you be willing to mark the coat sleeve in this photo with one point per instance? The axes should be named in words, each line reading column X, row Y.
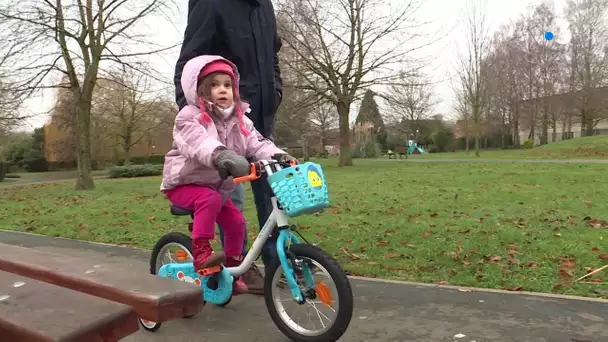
column 192, row 138
column 259, row 147
column 198, row 39
column 277, row 70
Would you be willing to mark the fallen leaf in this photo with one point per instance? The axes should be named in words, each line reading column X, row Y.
column 518, row 288
column 558, row 287
column 480, row 219
column 82, row 227
column 390, row 255
column 596, row 223
column 603, row 256
column 565, row 275
column 426, row 234
column 588, row 204
column 452, row 255
column 567, row 263
column 434, row 215
column 496, row 258
column 152, row 218
column 597, row 280
column 595, row 249
column 558, row 235
column 531, row 265
column 382, row 243
column 563, row 196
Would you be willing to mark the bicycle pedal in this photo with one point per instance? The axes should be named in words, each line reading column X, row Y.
column 210, row 270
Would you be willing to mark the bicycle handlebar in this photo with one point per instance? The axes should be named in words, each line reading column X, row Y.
column 256, row 169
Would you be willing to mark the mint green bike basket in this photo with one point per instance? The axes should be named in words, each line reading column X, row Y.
column 300, row 189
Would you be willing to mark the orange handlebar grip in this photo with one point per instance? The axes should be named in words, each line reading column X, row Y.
column 253, row 175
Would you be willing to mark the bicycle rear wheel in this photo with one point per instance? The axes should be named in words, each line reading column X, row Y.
column 337, row 301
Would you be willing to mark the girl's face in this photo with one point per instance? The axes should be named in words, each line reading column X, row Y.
column 221, row 91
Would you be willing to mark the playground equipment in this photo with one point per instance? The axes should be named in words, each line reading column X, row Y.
column 298, row 189
column 414, row 148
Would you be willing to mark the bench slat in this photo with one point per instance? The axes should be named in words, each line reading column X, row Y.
column 34, row 311
column 154, row 298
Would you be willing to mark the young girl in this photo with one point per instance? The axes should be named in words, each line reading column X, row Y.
column 211, row 139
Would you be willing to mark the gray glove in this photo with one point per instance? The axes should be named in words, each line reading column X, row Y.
column 228, row 163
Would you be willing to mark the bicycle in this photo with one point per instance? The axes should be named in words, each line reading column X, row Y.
column 298, row 189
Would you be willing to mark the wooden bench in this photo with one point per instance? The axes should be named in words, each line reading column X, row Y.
column 32, row 311
column 153, row 298
column 401, row 151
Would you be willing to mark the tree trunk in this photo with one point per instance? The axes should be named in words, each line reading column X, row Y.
column 544, row 136
column 589, row 126
column 466, row 135
column 304, row 140
column 516, row 140
column 126, row 147
column 84, row 180
column 346, row 158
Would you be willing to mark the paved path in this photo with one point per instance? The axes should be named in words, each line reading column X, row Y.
column 383, row 311
column 481, row 160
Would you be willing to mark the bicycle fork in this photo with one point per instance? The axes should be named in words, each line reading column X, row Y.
column 285, row 239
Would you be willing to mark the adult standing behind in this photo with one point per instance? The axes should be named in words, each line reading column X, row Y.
column 244, row 32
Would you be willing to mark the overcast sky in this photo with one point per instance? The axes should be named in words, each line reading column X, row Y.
column 445, row 16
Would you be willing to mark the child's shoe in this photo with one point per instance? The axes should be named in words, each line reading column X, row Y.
column 204, row 256
column 239, row 286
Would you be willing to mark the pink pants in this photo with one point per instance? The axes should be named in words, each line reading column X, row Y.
column 208, row 209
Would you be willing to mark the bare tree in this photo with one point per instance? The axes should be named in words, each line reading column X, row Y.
column 410, row 100
column 126, row 103
column 339, row 42
column 74, row 39
column 589, row 58
column 464, row 115
column 10, row 116
column 323, row 119
column 471, row 69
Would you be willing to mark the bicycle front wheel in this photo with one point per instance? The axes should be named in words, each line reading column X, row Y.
column 329, row 309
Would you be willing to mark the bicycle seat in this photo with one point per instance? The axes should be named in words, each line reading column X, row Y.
column 177, row 211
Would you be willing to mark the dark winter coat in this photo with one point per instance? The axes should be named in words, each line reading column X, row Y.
column 244, row 32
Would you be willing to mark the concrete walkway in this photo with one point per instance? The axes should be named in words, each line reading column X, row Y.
column 481, row 160
column 384, row 311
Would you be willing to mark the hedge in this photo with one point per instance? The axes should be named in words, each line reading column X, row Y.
column 131, row 171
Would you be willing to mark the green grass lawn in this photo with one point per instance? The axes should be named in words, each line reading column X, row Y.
column 594, row 147
column 530, row 227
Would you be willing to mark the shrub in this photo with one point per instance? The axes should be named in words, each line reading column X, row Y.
column 366, row 148
column 528, row 144
column 433, row 149
column 130, row 171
